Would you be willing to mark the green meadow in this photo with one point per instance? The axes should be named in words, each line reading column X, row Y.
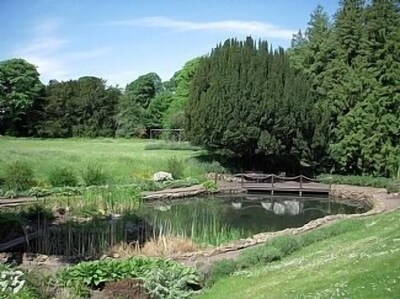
column 124, row 161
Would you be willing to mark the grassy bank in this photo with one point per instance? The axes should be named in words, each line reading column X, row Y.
column 361, row 262
column 123, row 161
column 390, row 184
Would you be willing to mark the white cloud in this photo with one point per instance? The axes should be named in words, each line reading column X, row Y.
column 47, row 50
column 261, row 29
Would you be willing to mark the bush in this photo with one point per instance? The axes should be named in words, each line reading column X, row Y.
column 63, row 177
column 176, row 167
column 393, row 187
column 18, row 176
column 286, row 244
column 210, row 186
column 365, row 181
column 221, row 269
column 93, row 175
column 259, row 255
column 162, row 278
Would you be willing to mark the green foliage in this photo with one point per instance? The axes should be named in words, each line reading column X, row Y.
column 366, row 181
column 20, row 88
column 83, row 107
column 63, row 177
column 245, row 99
column 18, row 176
column 352, row 65
column 393, row 187
column 174, row 115
column 176, row 167
column 139, row 108
column 187, row 182
column 94, row 175
column 221, row 269
column 162, row 278
column 210, row 186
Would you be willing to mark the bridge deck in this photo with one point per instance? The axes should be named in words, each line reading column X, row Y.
column 274, row 184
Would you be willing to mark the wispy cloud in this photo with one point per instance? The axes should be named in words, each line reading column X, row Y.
column 48, row 51
column 257, row 28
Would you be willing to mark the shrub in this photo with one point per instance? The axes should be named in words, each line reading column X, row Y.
column 210, row 186
column 286, row 244
column 221, row 269
column 261, row 255
column 63, row 177
column 93, row 175
column 393, row 187
column 366, row 181
column 162, row 278
column 18, row 176
column 176, row 167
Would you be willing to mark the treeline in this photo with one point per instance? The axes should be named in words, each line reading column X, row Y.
column 353, row 63
column 87, row 107
column 332, row 100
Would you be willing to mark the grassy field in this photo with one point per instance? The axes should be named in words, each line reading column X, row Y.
column 361, row 263
column 123, row 160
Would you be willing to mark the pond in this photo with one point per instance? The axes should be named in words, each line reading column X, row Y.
column 215, row 220
column 207, row 221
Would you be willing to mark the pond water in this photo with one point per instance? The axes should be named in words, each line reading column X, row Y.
column 215, row 220
column 207, row 221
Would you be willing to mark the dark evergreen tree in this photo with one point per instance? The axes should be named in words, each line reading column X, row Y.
column 246, row 100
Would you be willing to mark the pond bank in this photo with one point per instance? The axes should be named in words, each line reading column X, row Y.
column 377, row 199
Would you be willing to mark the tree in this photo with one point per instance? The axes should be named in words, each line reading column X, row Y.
column 144, row 89
column 20, row 87
column 368, row 137
column 246, row 100
column 134, row 106
column 83, row 107
column 174, row 116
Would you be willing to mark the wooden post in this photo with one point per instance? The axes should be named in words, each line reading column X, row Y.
column 216, row 178
column 272, row 184
column 301, row 185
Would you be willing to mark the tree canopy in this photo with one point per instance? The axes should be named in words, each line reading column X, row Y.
column 20, row 87
column 247, row 100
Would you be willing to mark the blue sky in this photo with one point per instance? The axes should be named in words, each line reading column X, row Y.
column 119, row 40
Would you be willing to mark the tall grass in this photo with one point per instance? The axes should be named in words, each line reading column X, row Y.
column 123, row 160
column 201, row 222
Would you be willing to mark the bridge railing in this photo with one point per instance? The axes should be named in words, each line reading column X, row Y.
column 277, row 182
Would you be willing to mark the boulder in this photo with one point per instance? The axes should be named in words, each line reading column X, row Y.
column 162, row 176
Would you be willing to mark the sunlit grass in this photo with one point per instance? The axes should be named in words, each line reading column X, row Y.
column 360, row 263
column 123, row 160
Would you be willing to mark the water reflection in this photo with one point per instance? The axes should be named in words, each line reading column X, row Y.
column 215, row 219
column 282, row 207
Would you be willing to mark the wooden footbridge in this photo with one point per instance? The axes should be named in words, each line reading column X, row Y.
column 260, row 182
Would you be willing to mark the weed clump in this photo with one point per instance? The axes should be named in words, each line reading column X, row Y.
column 63, row 177
column 94, row 175
column 18, row 176
column 176, row 167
